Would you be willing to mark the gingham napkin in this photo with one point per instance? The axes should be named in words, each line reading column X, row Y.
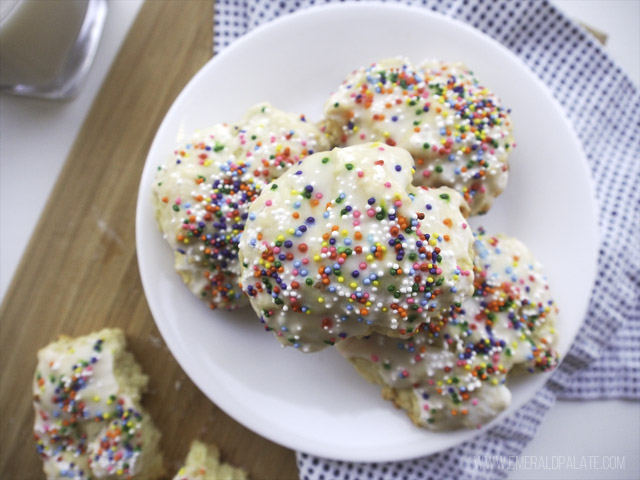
column 604, row 106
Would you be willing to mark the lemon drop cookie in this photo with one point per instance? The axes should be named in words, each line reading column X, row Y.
column 437, row 389
column 453, row 373
column 343, row 244
column 455, row 128
column 203, row 463
column 88, row 419
column 202, row 193
column 512, row 310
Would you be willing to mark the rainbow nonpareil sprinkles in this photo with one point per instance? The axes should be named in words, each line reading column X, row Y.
column 453, row 372
column 342, row 244
column 203, row 192
column 456, row 129
column 88, row 422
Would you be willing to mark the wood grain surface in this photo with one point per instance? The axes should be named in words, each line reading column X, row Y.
column 80, row 272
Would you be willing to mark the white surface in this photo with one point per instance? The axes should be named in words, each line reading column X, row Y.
column 28, row 170
column 619, row 20
column 220, row 351
column 35, row 139
column 596, row 431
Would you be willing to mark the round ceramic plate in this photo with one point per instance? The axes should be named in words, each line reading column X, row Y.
column 316, row 403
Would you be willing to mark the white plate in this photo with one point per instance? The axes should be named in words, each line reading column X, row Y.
column 317, row 403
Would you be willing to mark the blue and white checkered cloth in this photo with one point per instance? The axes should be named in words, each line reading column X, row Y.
column 604, row 106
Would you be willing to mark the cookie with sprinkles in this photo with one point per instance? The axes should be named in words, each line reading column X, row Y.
column 457, row 130
column 453, row 373
column 203, row 463
column 88, row 419
column 512, row 309
column 439, row 388
column 202, row 194
column 343, row 244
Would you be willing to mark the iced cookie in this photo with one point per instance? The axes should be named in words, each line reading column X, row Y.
column 88, row 418
column 203, row 463
column 202, row 194
column 456, row 129
column 453, row 372
column 512, row 306
column 342, row 245
column 438, row 387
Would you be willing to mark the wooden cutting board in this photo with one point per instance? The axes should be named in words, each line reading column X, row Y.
column 80, row 272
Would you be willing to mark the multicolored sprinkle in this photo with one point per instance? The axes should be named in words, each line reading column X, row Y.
column 87, row 425
column 453, row 372
column 203, row 193
column 512, row 307
column 342, row 245
column 455, row 128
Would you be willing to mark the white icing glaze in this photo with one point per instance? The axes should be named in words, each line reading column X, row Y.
column 203, row 193
column 85, row 424
column 508, row 323
column 456, row 130
column 446, row 391
column 512, row 302
column 342, row 244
